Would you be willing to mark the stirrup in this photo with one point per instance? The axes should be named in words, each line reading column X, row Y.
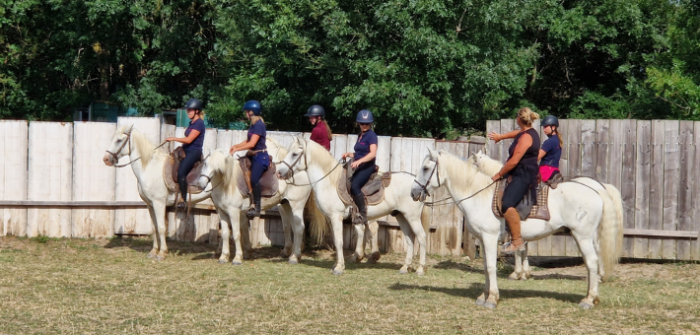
column 509, row 248
column 252, row 212
column 181, row 205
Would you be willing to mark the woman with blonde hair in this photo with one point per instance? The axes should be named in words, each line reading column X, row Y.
column 521, row 171
column 192, row 143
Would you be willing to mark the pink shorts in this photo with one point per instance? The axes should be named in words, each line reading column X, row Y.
column 547, row 171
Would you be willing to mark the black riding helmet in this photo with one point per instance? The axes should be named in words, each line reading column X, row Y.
column 550, row 120
column 193, row 104
column 364, row 116
column 316, row 110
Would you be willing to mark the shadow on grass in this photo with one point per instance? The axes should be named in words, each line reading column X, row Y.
column 452, row 265
column 474, row 290
column 144, row 245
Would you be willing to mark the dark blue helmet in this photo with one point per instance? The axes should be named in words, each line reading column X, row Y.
column 316, row 110
column 550, row 120
column 193, row 104
column 254, row 106
column 364, row 116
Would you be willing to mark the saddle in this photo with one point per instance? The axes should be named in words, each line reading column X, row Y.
column 373, row 190
column 171, row 166
column 526, row 208
column 269, row 183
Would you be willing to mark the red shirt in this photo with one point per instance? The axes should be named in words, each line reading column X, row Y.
column 320, row 135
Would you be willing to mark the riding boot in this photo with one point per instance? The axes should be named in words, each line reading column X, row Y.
column 254, row 210
column 513, row 220
column 361, row 204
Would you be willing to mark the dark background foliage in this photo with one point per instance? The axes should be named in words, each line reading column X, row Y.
column 425, row 68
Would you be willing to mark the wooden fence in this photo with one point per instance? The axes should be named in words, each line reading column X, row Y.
column 53, row 183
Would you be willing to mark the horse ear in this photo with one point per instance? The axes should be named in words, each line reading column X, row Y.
column 130, row 129
column 480, row 152
column 433, row 154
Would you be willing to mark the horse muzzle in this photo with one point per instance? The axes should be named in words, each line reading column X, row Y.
column 108, row 160
column 418, row 194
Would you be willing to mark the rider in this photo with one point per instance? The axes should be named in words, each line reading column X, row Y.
column 260, row 160
column 192, row 144
column 364, row 163
column 321, row 133
column 550, row 152
column 521, row 169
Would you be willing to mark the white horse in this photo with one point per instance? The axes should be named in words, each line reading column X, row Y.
column 324, row 171
column 221, row 170
column 522, row 267
column 147, row 164
column 590, row 214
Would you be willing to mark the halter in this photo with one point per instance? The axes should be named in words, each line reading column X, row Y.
column 116, row 158
column 290, row 167
column 427, row 181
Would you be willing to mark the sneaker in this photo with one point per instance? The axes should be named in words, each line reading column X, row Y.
column 181, row 205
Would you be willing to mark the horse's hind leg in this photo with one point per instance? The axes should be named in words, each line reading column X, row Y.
column 287, row 225
column 154, row 225
column 522, row 267
column 374, row 230
column 590, row 257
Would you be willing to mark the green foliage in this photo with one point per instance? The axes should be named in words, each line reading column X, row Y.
column 424, row 67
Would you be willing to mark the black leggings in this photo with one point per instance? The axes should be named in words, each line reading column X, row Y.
column 514, row 192
column 185, row 167
column 360, row 178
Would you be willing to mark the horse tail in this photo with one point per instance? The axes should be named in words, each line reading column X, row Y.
column 318, row 227
column 610, row 230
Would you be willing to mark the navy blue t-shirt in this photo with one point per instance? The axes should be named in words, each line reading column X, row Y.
column 363, row 143
column 198, row 142
column 258, row 128
column 553, row 152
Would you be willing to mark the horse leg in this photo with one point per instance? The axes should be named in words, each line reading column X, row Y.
column 159, row 213
column 590, row 257
column 236, row 232
column 408, row 237
column 154, row 226
column 359, row 253
column 244, row 230
column 294, row 218
column 491, row 287
column 526, row 265
column 420, row 236
column 225, row 236
column 374, row 230
column 287, row 225
column 522, row 267
column 337, row 224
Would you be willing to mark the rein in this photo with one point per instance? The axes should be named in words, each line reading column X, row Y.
column 433, row 203
column 116, row 158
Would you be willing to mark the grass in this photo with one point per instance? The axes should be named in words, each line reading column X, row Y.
column 71, row 286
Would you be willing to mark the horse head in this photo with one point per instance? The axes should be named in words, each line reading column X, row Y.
column 213, row 163
column 427, row 177
column 118, row 147
column 294, row 161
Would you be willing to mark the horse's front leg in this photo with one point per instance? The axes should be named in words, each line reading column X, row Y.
column 490, row 297
column 359, row 253
column 154, row 226
column 225, row 236
column 374, row 230
column 293, row 217
column 337, row 224
column 285, row 210
column 236, row 217
column 408, row 236
column 520, row 272
column 159, row 213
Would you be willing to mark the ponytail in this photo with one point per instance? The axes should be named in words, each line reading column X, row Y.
column 328, row 129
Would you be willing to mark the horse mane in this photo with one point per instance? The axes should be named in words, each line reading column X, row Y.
column 272, row 146
column 465, row 175
column 143, row 146
column 323, row 159
column 222, row 163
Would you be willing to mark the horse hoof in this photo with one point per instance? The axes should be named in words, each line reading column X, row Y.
column 585, row 305
column 480, row 302
column 293, row 262
column 151, row 255
column 513, row 276
column 160, row 258
column 223, row 261
column 375, row 256
column 490, row 305
column 236, row 263
column 420, row 273
column 403, row 271
column 337, row 272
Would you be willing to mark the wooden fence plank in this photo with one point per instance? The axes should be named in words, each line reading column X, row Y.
column 627, row 178
column 656, row 185
column 555, row 245
column 602, row 152
column 50, row 174
column 13, row 175
column 589, row 149
column 695, row 223
column 642, row 192
column 92, row 179
column 167, row 130
column 492, row 148
column 671, row 165
column 507, row 125
column 134, row 221
column 575, row 135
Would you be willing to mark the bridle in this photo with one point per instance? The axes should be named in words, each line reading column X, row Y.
column 424, row 188
column 291, row 166
column 116, row 158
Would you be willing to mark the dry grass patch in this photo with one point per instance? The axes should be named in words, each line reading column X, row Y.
column 71, row 286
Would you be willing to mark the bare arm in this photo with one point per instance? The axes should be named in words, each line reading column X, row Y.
column 245, row 145
column 499, row 137
column 523, row 144
column 185, row 140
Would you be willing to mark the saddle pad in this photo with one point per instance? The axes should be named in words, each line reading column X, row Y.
column 268, row 182
column 373, row 190
column 170, row 176
column 539, row 211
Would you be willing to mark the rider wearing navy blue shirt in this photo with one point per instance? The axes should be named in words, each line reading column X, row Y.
column 364, row 162
column 192, row 143
column 550, row 152
column 260, row 160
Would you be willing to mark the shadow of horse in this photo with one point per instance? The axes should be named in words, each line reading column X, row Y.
column 475, row 289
